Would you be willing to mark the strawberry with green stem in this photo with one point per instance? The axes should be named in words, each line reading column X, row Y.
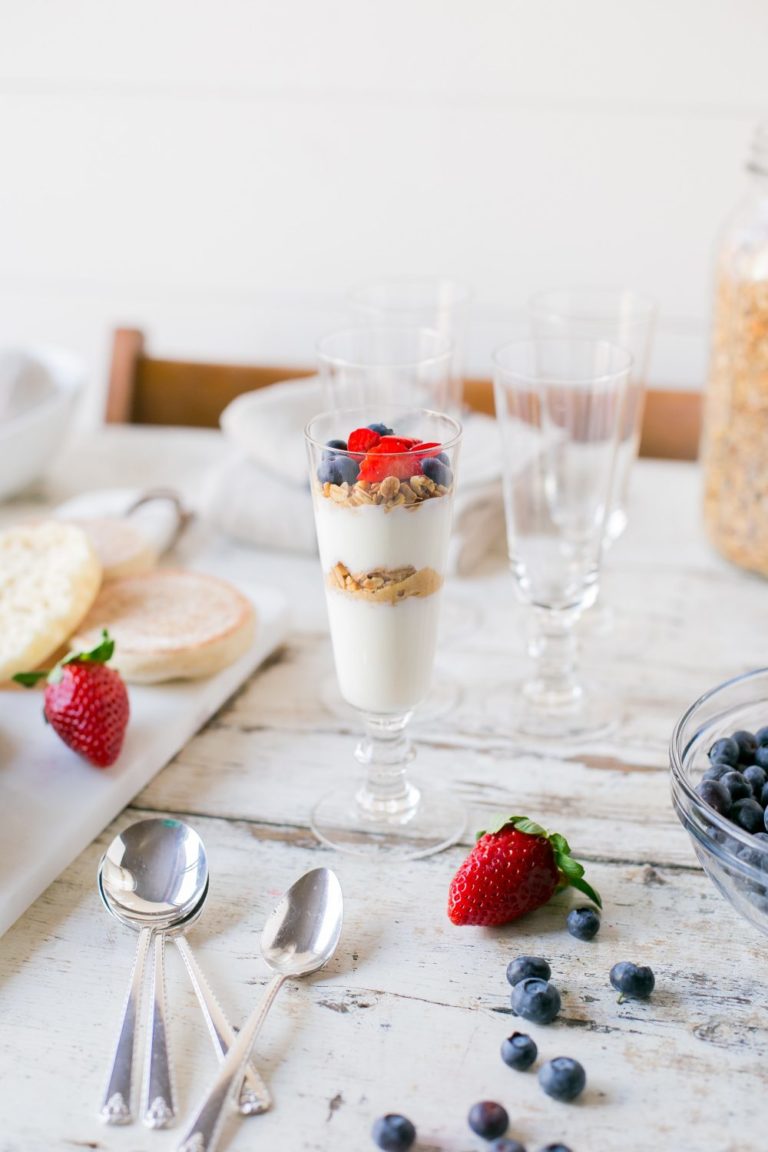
column 86, row 703
column 513, row 869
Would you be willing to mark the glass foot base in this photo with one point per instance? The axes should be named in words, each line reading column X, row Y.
column 436, row 822
column 443, row 697
column 596, row 714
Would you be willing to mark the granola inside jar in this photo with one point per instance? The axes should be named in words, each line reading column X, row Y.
column 736, row 405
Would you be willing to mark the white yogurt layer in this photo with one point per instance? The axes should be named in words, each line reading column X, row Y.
column 383, row 652
column 372, row 536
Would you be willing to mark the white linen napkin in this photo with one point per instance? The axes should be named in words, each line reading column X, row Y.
column 260, row 495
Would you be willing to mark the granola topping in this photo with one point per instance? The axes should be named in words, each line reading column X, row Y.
column 385, row 585
column 389, row 493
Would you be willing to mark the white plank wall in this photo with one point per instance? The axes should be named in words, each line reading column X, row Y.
column 221, row 173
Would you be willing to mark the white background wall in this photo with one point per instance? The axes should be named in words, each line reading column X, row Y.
column 221, row 172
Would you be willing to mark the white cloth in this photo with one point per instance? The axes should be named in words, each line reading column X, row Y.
column 260, row 495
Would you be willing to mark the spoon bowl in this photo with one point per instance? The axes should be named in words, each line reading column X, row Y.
column 303, row 930
column 155, row 871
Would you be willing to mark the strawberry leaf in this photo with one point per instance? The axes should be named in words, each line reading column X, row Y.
column 103, row 652
column 569, row 867
column 560, row 844
column 29, row 679
column 588, row 890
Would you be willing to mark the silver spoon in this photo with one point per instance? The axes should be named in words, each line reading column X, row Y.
column 154, row 873
column 254, row 1097
column 299, row 937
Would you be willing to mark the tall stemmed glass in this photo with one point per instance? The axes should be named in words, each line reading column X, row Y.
column 560, row 406
column 622, row 317
column 383, row 502
column 424, row 302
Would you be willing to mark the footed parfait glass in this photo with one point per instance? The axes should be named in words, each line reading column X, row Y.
column 382, row 482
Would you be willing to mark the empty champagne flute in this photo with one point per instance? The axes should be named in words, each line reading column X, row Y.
column 622, row 317
column 560, row 407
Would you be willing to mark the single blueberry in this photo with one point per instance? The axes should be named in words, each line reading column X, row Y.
column 633, row 980
column 765, row 820
column 584, row 923
column 555, row 1148
column 761, row 736
column 716, row 772
column 747, row 814
column 762, row 837
column 562, row 1078
column 724, row 751
column 715, row 794
column 347, row 469
column 338, row 445
column 380, row 428
column 524, row 966
column 443, row 458
column 755, row 777
column 764, row 796
column 393, row 1132
column 328, row 472
column 488, row 1119
column 747, row 744
column 506, row 1144
column 536, row 1000
column 761, row 756
column 736, row 784
column 519, row 1051
column 437, row 472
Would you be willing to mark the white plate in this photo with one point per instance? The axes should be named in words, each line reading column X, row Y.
column 53, row 804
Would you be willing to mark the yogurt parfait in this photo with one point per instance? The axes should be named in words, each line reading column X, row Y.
column 383, row 492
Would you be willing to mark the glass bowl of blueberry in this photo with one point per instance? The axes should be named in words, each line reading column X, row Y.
column 719, row 767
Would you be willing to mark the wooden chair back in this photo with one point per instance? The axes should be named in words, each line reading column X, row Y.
column 146, row 390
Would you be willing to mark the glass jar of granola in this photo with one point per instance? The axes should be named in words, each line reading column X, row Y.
column 735, row 427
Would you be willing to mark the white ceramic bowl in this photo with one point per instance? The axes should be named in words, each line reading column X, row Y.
column 38, row 391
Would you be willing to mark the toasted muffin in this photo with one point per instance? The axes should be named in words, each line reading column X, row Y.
column 121, row 546
column 49, row 578
column 170, row 625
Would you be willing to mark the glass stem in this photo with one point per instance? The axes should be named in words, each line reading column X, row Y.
column 554, row 649
column 385, row 751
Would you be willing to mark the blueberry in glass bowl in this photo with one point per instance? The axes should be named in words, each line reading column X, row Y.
column 731, row 846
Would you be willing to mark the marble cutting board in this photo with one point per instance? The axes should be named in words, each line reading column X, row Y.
column 53, row 804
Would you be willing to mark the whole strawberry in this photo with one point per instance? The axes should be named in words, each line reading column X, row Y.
column 511, row 870
column 86, row 703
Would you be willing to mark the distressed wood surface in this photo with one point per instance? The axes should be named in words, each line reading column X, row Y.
column 410, row 1015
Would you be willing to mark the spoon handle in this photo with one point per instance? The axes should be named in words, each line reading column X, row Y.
column 255, row 1097
column 158, row 1107
column 116, row 1106
column 202, row 1134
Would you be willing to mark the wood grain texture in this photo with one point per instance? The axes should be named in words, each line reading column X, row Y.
column 411, row 1012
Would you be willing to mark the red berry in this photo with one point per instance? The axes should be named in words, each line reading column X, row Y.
column 510, row 871
column 362, row 439
column 89, row 709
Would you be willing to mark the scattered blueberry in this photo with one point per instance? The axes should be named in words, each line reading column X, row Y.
column 488, row 1119
column 393, row 1132
column 506, row 1144
column 724, row 751
column 755, row 777
column 761, row 756
column 562, row 1078
column 736, row 784
column 761, row 736
column 380, row 428
column 715, row 794
column 584, row 923
column 747, row 745
column 437, row 472
column 747, row 814
column 347, row 469
column 519, row 1051
column 555, row 1148
column 633, row 980
column 524, row 966
column 328, row 472
column 536, row 1000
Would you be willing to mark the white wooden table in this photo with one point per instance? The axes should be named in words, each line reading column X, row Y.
column 410, row 1015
